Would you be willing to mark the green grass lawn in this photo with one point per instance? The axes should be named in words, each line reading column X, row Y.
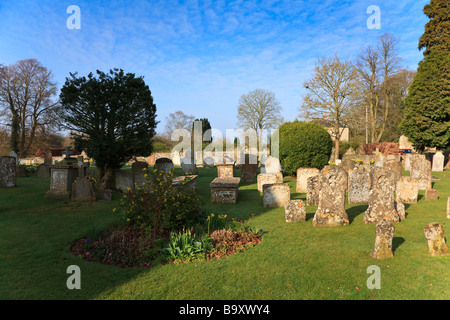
column 293, row 261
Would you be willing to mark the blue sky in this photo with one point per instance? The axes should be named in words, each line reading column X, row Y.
column 201, row 56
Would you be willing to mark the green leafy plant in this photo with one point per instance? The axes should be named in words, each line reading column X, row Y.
column 184, row 246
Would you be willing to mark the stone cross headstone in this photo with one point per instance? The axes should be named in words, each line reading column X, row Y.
column 333, row 181
column 382, row 196
column 67, row 152
column 434, row 232
column 438, row 162
column 383, row 241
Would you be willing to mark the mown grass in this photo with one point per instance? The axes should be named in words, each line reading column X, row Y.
column 293, row 261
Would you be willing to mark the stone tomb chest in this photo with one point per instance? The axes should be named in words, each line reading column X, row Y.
column 225, row 190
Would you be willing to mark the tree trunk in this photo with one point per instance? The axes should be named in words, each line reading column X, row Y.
column 336, row 148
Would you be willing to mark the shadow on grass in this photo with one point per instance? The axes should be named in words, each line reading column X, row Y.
column 355, row 211
column 397, row 242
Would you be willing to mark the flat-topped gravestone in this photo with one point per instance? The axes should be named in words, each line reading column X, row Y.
column 421, row 170
column 434, row 233
column 276, row 195
column 312, row 194
column 359, row 184
column 267, row 178
column 407, row 190
column 438, row 162
column 431, row 194
column 333, row 182
column 225, row 170
column 302, row 178
column 295, row 211
column 225, row 190
column 382, row 196
column 383, row 241
column 7, row 172
column 61, row 179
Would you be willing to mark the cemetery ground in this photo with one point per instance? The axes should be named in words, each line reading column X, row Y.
column 294, row 261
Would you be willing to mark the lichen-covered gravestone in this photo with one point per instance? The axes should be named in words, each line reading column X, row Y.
column 164, row 164
column 267, row 178
column 333, row 181
column 359, row 184
column 421, row 170
column 276, row 195
column 295, row 211
column 383, row 241
column 225, row 190
column 312, row 194
column 431, row 194
column 302, row 178
column 382, row 196
column 7, row 172
column 225, row 170
column 434, row 232
column 407, row 190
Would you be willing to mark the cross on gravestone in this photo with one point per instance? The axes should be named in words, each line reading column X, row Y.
column 82, row 167
column 68, row 153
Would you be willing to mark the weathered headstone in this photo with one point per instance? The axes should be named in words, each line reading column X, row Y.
column 124, row 180
column 266, row 178
column 43, row 171
column 15, row 156
column 400, row 208
column 333, row 181
column 225, row 170
column 276, row 195
column 271, row 165
column 83, row 190
column 438, row 162
column 190, row 181
column 225, row 190
column 431, row 194
column 359, row 184
column 302, row 178
column 7, row 172
column 295, row 211
column 61, row 179
column 312, row 194
column 208, row 162
column 382, row 196
column 164, row 164
column 249, row 169
column 383, row 240
column 435, row 234
column 421, row 170
column 48, row 158
column 407, row 190
column 396, row 167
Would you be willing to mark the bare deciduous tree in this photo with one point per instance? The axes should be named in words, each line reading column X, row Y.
column 178, row 120
column 259, row 110
column 330, row 92
column 27, row 101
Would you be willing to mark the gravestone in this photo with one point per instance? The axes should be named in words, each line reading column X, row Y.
column 249, row 169
column 421, row 170
column 164, row 164
column 7, row 172
column 448, row 208
column 139, row 170
column 124, row 180
column 225, row 170
column 435, row 235
column 431, row 194
column 82, row 188
column 43, row 171
column 359, row 184
column 208, row 162
column 225, row 190
column 396, row 167
column 383, row 240
column 15, row 156
column 333, row 181
column 302, row 178
column 407, row 190
column 62, row 177
column 190, row 181
column 271, row 165
column 312, row 193
column 382, row 196
column 276, row 195
column 48, row 158
column 188, row 165
column 400, row 208
column 266, row 178
column 438, row 162
column 295, row 211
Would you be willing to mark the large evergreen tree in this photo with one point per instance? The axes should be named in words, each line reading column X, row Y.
column 427, row 107
column 437, row 30
column 112, row 117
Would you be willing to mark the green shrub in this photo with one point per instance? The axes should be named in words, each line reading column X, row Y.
column 303, row 145
column 184, row 246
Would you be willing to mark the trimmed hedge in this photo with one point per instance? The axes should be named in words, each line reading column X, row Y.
column 304, row 145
